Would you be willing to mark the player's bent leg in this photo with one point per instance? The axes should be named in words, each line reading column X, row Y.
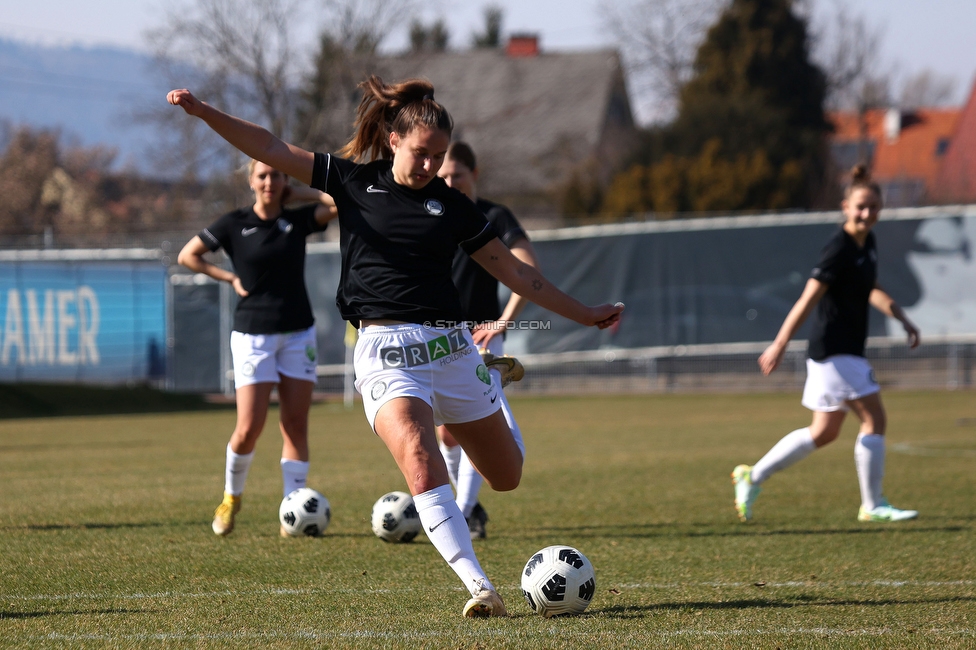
column 492, row 450
column 825, row 426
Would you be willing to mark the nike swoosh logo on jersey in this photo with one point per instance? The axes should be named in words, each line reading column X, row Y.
column 431, row 529
column 249, row 231
column 494, row 398
column 373, row 190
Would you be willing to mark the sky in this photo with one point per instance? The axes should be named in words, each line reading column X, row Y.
column 916, row 34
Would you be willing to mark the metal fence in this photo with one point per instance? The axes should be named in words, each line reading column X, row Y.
column 946, row 363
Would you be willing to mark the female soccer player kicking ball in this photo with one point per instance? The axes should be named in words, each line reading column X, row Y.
column 399, row 228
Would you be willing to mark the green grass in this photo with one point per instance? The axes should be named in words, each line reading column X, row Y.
column 105, row 538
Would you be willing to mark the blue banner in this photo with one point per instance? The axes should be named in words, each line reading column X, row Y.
column 82, row 321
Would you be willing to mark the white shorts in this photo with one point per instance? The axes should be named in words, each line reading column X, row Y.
column 833, row 382
column 261, row 358
column 442, row 367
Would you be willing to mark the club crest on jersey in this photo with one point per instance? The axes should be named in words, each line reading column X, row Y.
column 434, row 207
column 284, row 225
column 310, row 353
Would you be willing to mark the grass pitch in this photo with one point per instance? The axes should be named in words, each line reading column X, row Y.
column 105, row 534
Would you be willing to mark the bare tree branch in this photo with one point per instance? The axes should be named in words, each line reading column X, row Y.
column 927, row 89
column 848, row 50
column 659, row 40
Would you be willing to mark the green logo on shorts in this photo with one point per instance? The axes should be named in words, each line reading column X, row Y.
column 310, row 352
column 439, row 347
column 482, row 373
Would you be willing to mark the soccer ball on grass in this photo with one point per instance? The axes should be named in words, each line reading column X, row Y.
column 304, row 512
column 558, row 580
column 395, row 518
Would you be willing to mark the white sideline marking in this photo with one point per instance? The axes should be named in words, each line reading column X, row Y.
column 670, row 586
column 931, row 449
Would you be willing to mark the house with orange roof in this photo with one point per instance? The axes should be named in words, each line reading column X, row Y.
column 957, row 178
column 906, row 150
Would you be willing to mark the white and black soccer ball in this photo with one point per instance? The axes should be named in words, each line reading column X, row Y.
column 558, row 580
column 304, row 512
column 395, row 518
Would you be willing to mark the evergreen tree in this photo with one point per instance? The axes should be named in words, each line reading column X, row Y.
column 751, row 131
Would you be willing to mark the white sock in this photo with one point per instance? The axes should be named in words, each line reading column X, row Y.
column 235, row 471
column 452, row 457
column 448, row 532
column 869, row 457
column 792, row 448
column 294, row 474
column 469, row 484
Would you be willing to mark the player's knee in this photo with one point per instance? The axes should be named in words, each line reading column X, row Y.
column 506, row 482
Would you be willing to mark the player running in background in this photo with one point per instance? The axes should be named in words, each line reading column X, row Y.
column 479, row 301
column 400, row 226
column 273, row 340
column 839, row 378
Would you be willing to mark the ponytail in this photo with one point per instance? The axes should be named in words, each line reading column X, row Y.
column 861, row 179
column 392, row 108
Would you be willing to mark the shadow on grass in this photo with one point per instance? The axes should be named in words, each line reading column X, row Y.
column 631, row 611
column 57, row 400
column 73, row 612
column 640, row 531
column 114, row 444
column 104, row 526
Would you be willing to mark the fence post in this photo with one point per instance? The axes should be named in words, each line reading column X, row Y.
column 952, row 366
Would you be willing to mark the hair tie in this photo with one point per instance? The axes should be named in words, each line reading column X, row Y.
column 429, row 96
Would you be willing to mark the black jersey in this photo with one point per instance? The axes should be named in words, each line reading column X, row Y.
column 269, row 258
column 478, row 287
column 840, row 322
column 398, row 243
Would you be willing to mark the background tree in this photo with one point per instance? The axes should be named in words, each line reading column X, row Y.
column 492, row 34
column 57, row 193
column 750, row 133
column 236, row 54
column 658, row 40
column 347, row 49
column 432, row 38
column 926, row 89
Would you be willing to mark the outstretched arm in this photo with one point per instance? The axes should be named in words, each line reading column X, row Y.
column 483, row 334
column 812, row 293
column 884, row 303
column 527, row 281
column 252, row 140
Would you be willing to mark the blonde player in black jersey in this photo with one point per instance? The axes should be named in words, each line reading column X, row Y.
column 416, row 365
column 479, row 300
column 273, row 338
column 839, row 378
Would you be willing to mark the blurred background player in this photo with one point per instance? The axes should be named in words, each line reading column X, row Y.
column 400, row 226
column 839, row 378
column 273, row 340
column 479, row 301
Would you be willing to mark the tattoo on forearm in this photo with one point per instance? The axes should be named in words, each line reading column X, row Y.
column 494, row 257
column 537, row 285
